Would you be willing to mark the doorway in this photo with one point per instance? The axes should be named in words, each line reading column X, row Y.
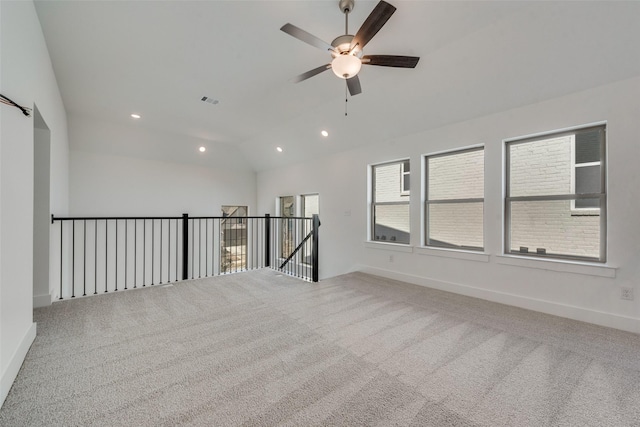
column 42, row 295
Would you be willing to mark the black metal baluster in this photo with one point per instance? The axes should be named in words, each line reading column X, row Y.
column 106, row 256
column 135, row 253
column 73, row 259
column 61, row 253
column 161, row 222
column 199, row 248
column 126, row 244
column 206, row 247
column 116, row 290
column 153, row 249
column 169, row 252
column 95, row 257
column 193, row 254
column 144, row 252
column 177, row 250
column 84, row 268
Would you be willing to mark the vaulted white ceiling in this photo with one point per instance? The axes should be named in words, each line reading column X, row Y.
column 477, row 57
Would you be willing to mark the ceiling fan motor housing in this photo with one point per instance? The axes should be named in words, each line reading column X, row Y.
column 342, row 45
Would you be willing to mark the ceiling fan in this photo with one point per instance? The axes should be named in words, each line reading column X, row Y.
column 346, row 50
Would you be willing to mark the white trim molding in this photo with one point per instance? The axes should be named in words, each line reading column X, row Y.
column 395, row 247
column 625, row 323
column 453, row 253
column 563, row 266
column 10, row 374
column 44, row 300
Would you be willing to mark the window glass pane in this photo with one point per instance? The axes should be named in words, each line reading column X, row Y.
column 455, row 225
column 287, row 207
column 406, row 183
column 407, row 165
column 587, row 179
column 388, row 183
column 287, row 210
column 456, row 176
column 588, row 146
column 587, row 204
column 551, row 226
column 310, row 205
column 391, row 223
column 541, row 167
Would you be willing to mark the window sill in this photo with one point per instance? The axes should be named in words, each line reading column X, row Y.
column 396, row 247
column 576, row 267
column 453, row 253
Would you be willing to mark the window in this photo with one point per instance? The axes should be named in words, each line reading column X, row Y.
column 287, row 210
column 389, row 206
column 550, row 179
column 233, row 239
column 310, row 206
column 454, row 200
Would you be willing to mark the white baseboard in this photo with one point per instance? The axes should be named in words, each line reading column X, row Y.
column 610, row 320
column 43, row 300
column 10, row 374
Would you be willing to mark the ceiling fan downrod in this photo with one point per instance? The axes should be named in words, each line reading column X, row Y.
column 346, row 6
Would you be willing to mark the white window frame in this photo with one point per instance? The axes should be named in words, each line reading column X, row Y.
column 427, row 202
column 602, row 258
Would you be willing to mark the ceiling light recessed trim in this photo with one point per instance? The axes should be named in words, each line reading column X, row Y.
column 135, row 116
column 209, row 100
column 202, row 149
column 279, row 149
column 324, row 133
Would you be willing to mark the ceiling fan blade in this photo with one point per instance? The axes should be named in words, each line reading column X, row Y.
column 311, row 73
column 376, row 20
column 306, row 37
column 354, row 85
column 391, row 60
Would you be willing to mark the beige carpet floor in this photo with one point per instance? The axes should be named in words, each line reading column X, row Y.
column 262, row 349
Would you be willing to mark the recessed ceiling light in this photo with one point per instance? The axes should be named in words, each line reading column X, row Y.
column 279, row 149
column 135, row 116
column 324, row 133
column 202, row 149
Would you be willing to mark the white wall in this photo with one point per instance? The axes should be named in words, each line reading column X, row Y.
column 120, row 170
column 27, row 77
column 582, row 292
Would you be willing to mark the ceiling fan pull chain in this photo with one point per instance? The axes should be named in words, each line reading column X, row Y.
column 346, row 98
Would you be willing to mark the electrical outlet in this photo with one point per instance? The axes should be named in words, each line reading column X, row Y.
column 390, row 258
column 626, row 293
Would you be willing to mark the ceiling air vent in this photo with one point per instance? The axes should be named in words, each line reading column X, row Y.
column 209, row 100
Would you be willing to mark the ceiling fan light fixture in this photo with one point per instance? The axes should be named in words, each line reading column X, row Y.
column 346, row 66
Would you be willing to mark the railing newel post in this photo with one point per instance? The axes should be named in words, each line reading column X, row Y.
column 267, row 240
column 185, row 246
column 314, row 247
